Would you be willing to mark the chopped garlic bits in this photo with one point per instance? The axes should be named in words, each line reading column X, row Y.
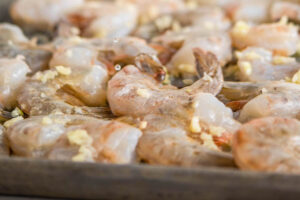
column 195, row 125
column 143, row 93
column 281, row 60
column 12, row 121
column 63, row 70
column 44, row 77
column 296, row 78
column 241, row 28
column 246, row 67
column 79, row 137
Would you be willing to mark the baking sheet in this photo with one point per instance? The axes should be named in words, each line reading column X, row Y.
column 53, row 179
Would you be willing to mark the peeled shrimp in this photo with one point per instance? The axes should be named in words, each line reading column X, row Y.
column 203, row 20
column 258, row 64
column 10, row 32
column 143, row 94
column 12, row 76
column 41, row 15
column 268, row 144
column 74, row 137
column 280, row 38
column 183, row 60
column 285, row 9
column 135, row 93
column 248, row 10
column 150, row 9
column 100, row 19
column 167, row 142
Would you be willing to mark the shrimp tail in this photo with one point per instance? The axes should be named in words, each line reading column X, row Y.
column 147, row 64
column 209, row 72
column 98, row 112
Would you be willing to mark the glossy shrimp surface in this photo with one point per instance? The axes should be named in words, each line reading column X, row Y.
column 13, row 74
column 74, row 137
column 268, row 144
column 166, row 142
column 259, row 64
column 280, row 38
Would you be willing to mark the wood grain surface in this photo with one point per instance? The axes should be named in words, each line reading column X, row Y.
column 43, row 178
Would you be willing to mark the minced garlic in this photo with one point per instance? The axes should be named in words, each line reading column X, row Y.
column 195, row 125
column 84, row 154
column 246, row 67
column 208, row 141
column 12, row 121
column 252, row 56
column 47, row 121
column 163, row 22
column 187, row 68
column 241, row 28
column 143, row 125
column 63, row 70
column 143, row 93
column 79, row 137
column 216, row 130
column 296, row 78
column 45, row 76
column 281, row 60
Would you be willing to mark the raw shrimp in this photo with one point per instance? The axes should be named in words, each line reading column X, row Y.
column 4, row 150
column 204, row 20
column 41, row 15
column 285, row 9
column 12, row 76
column 263, row 99
column 268, row 144
column 280, row 38
column 183, row 61
column 132, row 87
column 10, row 32
column 150, row 9
column 100, row 19
column 248, row 10
column 134, row 93
column 74, row 137
column 166, row 141
column 258, row 64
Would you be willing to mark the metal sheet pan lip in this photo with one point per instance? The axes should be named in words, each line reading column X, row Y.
column 147, row 167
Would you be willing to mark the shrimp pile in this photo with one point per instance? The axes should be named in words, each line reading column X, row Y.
column 186, row 83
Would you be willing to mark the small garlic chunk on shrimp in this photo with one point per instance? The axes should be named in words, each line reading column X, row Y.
column 285, row 9
column 166, row 141
column 259, row 64
column 74, row 137
column 268, row 144
column 100, row 19
column 41, row 15
column 12, row 77
column 280, row 38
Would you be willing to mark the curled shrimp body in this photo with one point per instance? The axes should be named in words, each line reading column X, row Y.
column 74, row 137
column 41, row 15
column 268, row 144
column 142, row 94
column 12, row 76
column 280, row 38
column 166, row 141
column 132, row 92
column 258, row 64
column 100, row 19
